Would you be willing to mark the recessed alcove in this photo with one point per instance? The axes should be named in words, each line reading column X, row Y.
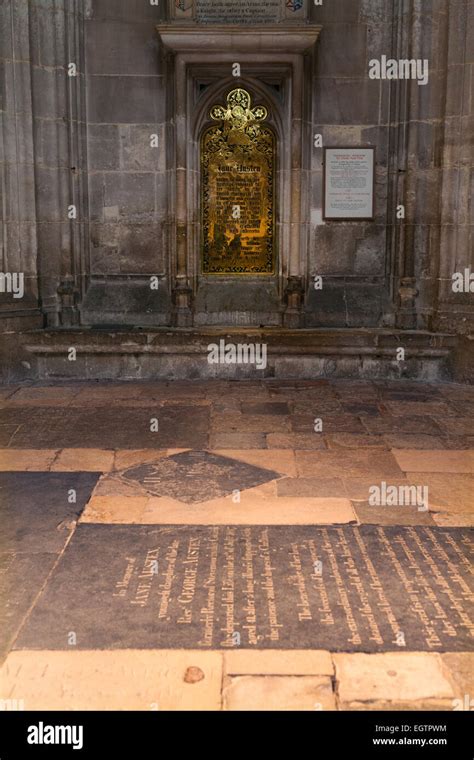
column 272, row 62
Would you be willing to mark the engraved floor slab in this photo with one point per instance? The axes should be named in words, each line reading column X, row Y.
column 344, row 589
column 197, row 476
column 108, row 427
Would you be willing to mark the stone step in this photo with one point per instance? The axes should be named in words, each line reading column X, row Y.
column 167, row 354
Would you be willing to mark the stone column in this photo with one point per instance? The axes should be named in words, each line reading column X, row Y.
column 455, row 310
column 17, row 175
column 60, row 161
column 405, row 98
column 420, row 114
column 19, row 308
column 294, row 291
column 182, row 292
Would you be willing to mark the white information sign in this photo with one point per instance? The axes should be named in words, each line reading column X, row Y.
column 349, row 175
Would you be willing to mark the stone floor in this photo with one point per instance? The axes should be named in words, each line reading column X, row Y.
column 221, row 454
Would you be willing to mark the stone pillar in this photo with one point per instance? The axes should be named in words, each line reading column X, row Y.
column 18, row 238
column 182, row 292
column 419, row 114
column 405, row 99
column 294, row 291
column 19, row 307
column 455, row 310
column 60, row 161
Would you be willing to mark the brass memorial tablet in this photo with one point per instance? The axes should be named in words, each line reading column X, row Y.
column 237, row 189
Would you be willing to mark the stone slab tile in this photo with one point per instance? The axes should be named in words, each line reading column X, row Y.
column 100, row 680
column 265, row 407
column 126, row 510
column 459, row 667
column 402, row 425
column 410, row 408
column 280, row 460
column 453, row 520
column 253, row 509
column 315, row 488
column 7, row 390
column 402, row 390
column 108, row 427
column 83, row 460
column 413, row 441
column 279, row 693
column 302, row 441
column 259, row 587
column 112, row 484
column 393, row 677
column 354, row 441
column 21, row 579
column 357, row 487
column 362, row 408
column 237, row 440
column 456, row 425
column 271, row 511
column 435, row 461
column 36, row 521
column 6, row 434
column 36, row 514
column 332, row 423
column 315, row 406
column 54, row 395
column 31, row 460
column 124, row 459
column 280, row 662
column 402, row 705
column 400, row 515
column 249, row 423
column 362, row 462
column 453, row 493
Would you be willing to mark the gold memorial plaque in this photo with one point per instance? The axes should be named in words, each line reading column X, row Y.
column 238, row 189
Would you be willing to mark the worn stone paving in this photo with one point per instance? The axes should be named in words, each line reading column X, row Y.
column 296, row 453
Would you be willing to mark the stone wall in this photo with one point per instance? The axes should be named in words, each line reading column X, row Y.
column 83, row 142
column 126, row 105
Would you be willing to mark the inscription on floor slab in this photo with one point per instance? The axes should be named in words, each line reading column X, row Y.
column 195, row 476
column 367, row 589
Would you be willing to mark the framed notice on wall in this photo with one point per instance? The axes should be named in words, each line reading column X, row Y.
column 349, row 180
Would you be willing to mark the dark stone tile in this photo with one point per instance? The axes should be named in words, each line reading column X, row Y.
column 35, row 512
column 414, row 425
column 332, row 423
column 6, row 434
column 410, row 396
column 108, row 427
column 361, row 408
column 196, row 476
column 120, row 587
column 36, row 519
column 266, row 407
column 21, row 579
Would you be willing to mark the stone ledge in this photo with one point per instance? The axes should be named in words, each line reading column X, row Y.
column 169, row 354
